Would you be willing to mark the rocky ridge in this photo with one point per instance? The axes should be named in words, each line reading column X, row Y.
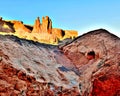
column 88, row 66
column 96, row 55
column 41, row 32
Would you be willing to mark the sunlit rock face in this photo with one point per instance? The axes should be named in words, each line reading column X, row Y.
column 6, row 26
column 58, row 32
column 37, row 26
column 46, row 34
column 46, row 25
column 20, row 27
column 70, row 34
column 40, row 31
column 64, row 34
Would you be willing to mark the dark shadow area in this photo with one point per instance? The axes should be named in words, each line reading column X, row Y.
column 63, row 33
column 29, row 27
column 91, row 55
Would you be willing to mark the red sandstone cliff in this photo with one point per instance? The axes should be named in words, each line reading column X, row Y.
column 40, row 31
column 44, row 32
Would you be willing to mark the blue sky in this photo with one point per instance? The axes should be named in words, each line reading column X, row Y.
column 80, row 15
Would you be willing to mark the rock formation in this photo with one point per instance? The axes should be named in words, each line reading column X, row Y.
column 88, row 66
column 37, row 26
column 64, row 34
column 54, row 35
column 96, row 54
column 46, row 25
column 70, row 34
column 6, row 26
column 33, row 69
column 41, row 32
column 59, row 33
column 19, row 27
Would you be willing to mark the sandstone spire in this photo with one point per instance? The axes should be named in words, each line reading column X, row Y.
column 46, row 25
column 37, row 26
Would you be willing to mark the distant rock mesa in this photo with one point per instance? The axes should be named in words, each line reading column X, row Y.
column 41, row 32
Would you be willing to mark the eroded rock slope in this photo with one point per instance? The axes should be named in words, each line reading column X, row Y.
column 96, row 55
column 88, row 66
column 29, row 68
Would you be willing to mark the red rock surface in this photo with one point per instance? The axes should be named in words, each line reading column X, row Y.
column 32, row 69
column 14, row 82
column 100, row 74
column 88, row 66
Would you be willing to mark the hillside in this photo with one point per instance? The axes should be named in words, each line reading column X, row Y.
column 96, row 55
column 87, row 66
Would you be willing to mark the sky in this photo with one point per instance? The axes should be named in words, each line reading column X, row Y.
column 80, row 15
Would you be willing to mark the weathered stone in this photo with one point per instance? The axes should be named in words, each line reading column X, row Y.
column 41, row 32
column 30, row 68
column 59, row 33
column 46, row 25
column 96, row 55
column 37, row 26
column 70, row 34
column 19, row 27
column 6, row 26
